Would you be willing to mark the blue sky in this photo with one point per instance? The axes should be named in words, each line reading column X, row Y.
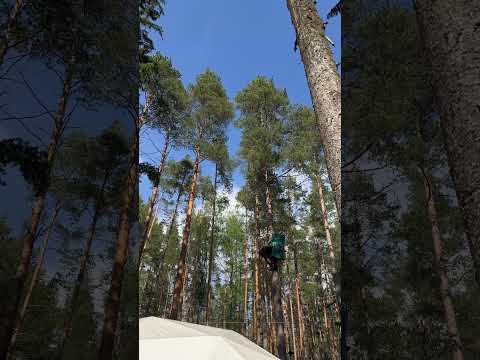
column 238, row 40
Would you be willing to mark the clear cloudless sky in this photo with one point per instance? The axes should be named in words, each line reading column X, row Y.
column 238, row 39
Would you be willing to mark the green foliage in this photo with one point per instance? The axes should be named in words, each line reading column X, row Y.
column 32, row 162
column 211, row 112
column 167, row 99
column 150, row 11
column 263, row 109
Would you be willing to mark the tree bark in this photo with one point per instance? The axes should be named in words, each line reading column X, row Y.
column 326, row 226
column 153, row 200
column 67, row 328
column 112, row 305
column 294, row 340
column 276, row 284
column 181, row 266
column 12, row 19
column 451, row 36
column 212, row 247
column 245, row 278
column 257, row 314
column 287, row 327
column 37, row 211
column 33, row 280
column 448, row 307
column 324, row 84
column 298, row 297
column 159, row 270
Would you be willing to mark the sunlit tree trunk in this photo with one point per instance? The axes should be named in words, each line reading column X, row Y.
column 181, row 266
column 323, row 81
column 159, row 271
column 153, row 199
column 450, row 31
column 288, row 346
column 112, row 305
column 245, row 278
column 448, row 307
column 298, row 298
column 294, row 340
column 325, row 224
column 276, row 284
column 258, row 318
column 212, row 248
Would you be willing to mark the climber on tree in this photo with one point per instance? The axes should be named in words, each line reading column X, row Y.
column 275, row 252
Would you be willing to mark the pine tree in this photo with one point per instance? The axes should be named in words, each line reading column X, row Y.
column 211, row 112
column 324, row 83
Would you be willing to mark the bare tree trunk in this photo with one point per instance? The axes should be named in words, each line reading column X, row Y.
column 67, row 328
column 326, row 324
column 298, row 297
column 181, row 267
column 267, row 338
column 224, row 309
column 159, row 270
column 257, row 315
column 287, row 327
column 212, row 247
column 254, row 305
column 12, row 19
column 112, row 305
column 314, row 347
column 451, row 37
column 448, row 307
column 245, row 278
column 294, row 340
column 33, row 280
column 30, row 235
column 182, row 294
column 276, row 284
column 326, row 226
column 153, row 200
column 323, row 81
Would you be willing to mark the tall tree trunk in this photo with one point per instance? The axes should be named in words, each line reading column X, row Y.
column 224, row 319
column 33, row 280
column 231, row 290
column 294, row 340
column 257, row 317
column 451, row 36
column 298, row 298
column 276, row 284
column 181, row 266
column 8, row 323
column 323, row 81
column 313, row 347
column 266, row 328
column 153, row 199
column 159, row 269
column 325, row 224
column 287, row 328
column 12, row 19
column 67, row 328
column 182, row 294
column 112, row 305
column 245, row 278
column 448, row 307
column 212, row 248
